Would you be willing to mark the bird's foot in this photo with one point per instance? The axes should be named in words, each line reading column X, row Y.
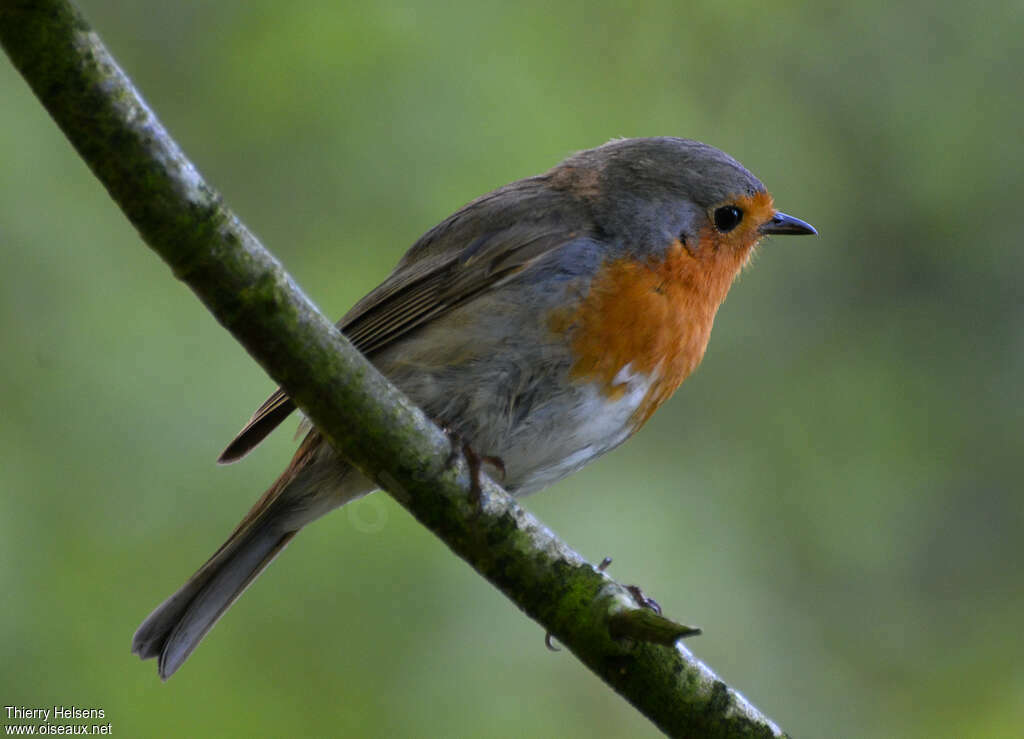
column 474, row 462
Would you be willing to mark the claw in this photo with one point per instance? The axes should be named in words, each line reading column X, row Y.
column 642, row 600
column 638, row 595
column 496, row 462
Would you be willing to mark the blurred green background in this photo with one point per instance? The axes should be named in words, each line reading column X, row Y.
column 834, row 497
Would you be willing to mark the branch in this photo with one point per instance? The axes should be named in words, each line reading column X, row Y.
column 374, row 426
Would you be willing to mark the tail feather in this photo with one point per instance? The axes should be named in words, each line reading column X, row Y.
column 314, row 483
column 178, row 624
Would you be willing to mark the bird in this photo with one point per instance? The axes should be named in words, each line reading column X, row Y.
column 542, row 323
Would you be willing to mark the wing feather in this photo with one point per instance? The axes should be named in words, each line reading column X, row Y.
column 478, row 248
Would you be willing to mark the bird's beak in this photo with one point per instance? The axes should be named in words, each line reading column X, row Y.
column 783, row 224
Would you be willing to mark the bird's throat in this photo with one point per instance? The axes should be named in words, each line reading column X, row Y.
column 648, row 317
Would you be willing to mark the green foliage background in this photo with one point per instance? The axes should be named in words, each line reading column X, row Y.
column 835, row 496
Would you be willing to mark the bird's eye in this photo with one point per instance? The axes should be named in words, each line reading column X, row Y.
column 727, row 218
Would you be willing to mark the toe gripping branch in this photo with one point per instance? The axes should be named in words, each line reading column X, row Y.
column 474, row 462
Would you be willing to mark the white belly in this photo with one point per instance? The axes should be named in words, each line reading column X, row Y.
column 552, row 444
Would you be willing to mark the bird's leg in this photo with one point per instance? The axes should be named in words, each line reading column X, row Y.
column 474, row 462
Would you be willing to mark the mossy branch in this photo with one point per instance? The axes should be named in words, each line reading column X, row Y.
column 371, row 423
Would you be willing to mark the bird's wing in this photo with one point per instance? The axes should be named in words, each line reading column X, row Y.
column 484, row 244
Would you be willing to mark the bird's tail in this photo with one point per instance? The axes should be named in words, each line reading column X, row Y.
column 178, row 624
column 315, row 482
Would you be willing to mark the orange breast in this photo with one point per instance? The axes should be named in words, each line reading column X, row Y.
column 654, row 317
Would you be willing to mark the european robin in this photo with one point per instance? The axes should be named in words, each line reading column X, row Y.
column 543, row 324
